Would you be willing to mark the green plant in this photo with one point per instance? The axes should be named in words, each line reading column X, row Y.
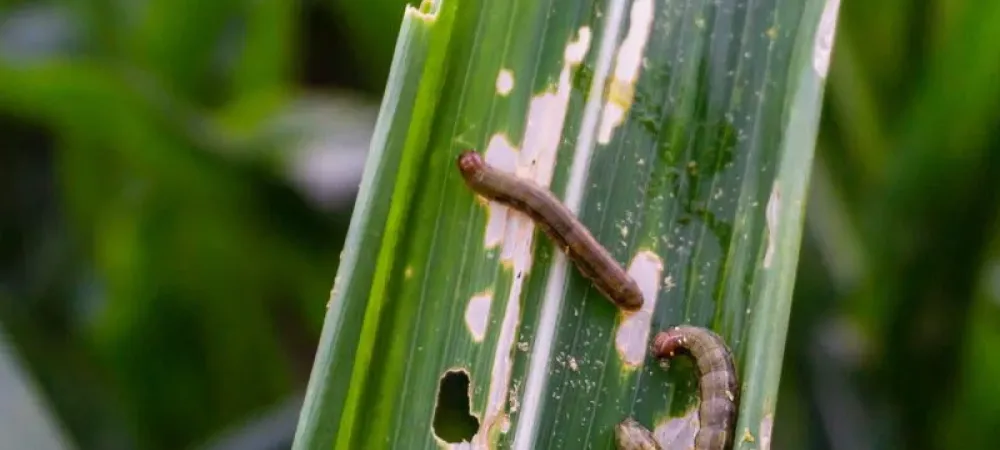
column 682, row 134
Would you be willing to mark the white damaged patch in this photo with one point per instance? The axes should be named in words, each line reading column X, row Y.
column 477, row 315
column 547, row 115
column 501, row 371
column 505, row 82
column 773, row 212
column 502, row 155
column 577, row 50
column 535, row 161
column 621, row 87
column 678, row 433
column 632, row 336
column 766, row 425
column 825, row 33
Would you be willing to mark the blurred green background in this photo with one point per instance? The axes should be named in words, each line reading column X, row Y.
column 177, row 178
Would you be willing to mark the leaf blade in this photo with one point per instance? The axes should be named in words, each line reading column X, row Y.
column 677, row 191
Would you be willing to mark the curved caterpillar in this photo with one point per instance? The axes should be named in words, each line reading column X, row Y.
column 719, row 390
column 590, row 257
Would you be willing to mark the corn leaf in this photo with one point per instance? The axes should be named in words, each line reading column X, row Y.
column 681, row 133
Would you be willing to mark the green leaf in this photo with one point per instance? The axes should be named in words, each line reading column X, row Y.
column 699, row 191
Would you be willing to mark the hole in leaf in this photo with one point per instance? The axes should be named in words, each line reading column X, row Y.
column 453, row 423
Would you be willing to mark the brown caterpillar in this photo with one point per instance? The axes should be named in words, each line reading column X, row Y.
column 717, row 384
column 590, row 257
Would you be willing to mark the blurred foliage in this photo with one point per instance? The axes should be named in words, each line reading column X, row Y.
column 158, row 272
column 904, row 226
